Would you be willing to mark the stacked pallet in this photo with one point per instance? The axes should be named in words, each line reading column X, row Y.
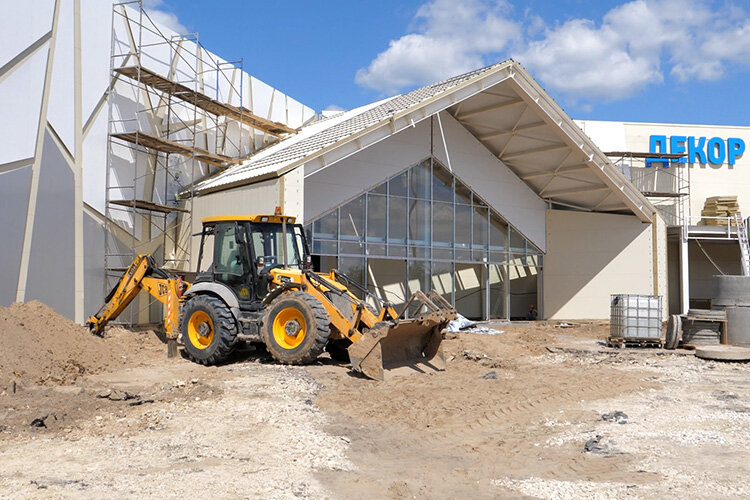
column 719, row 206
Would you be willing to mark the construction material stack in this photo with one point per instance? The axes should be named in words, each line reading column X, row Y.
column 719, row 210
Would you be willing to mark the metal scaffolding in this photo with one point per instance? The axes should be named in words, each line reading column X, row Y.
column 164, row 134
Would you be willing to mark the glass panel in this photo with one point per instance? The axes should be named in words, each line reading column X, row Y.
column 442, row 183
column 397, row 250
column 327, row 226
column 352, row 221
column 419, row 222
column 463, row 193
column 309, row 233
column 480, row 227
column 418, row 279
column 376, row 217
column 352, row 247
column 375, row 249
column 470, row 290
column 463, row 254
column 327, row 263
column 517, row 242
column 353, row 267
column 498, row 233
column 324, row 247
column 442, row 279
column 497, row 278
column 398, row 185
column 419, row 181
column 442, row 224
column 227, row 258
column 463, row 226
column 387, row 279
column 419, row 252
column 380, row 189
column 442, row 253
column 397, row 220
column 498, row 257
column 479, row 255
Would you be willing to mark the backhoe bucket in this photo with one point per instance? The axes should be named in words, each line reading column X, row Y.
column 412, row 344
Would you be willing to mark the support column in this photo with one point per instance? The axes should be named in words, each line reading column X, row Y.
column 78, row 281
column 684, row 276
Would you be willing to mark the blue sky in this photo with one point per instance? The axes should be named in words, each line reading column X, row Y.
column 680, row 61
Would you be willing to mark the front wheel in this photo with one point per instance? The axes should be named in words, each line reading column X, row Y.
column 209, row 331
column 296, row 328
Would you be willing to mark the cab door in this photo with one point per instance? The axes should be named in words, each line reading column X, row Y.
column 231, row 259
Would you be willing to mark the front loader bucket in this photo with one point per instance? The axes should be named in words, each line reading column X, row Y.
column 413, row 344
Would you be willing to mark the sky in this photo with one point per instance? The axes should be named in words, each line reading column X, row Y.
column 672, row 61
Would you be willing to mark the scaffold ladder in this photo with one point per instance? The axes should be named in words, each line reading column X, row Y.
column 744, row 244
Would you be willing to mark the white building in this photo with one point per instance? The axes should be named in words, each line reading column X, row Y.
column 56, row 62
column 126, row 134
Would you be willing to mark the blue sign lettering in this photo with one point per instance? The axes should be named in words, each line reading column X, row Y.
column 735, row 148
column 715, row 151
column 697, row 154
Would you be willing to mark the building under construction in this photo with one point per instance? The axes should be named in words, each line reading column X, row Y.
column 479, row 187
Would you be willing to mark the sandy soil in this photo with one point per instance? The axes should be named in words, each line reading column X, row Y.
column 510, row 417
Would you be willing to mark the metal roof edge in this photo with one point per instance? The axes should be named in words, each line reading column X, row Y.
column 633, row 198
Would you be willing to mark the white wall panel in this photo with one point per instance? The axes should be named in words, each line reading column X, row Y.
column 95, row 163
column 590, row 256
column 21, row 99
column 95, row 47
column 22, row 24
column 60, row 109
column 351, row 176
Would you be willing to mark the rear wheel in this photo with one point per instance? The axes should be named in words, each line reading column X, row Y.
column 209, row 331
column 295, row 328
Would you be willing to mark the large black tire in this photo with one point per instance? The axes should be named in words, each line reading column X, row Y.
column 209, row 330
column 295, row 328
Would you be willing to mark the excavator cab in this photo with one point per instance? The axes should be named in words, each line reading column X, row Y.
column 241, row 253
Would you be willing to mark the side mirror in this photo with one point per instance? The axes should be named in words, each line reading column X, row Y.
column 260, row 261
column 308, row 262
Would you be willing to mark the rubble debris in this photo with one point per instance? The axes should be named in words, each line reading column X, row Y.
column 594, row 445
column 140, row 402
column 490, row 375
column 474, row 355
column 41, row 422
column 616, row 416
column 116, row 395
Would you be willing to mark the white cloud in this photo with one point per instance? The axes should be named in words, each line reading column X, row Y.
column 158, row 13
column 451, row 38
column 634, row 45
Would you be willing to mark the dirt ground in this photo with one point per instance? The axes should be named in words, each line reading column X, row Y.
column 512, row 416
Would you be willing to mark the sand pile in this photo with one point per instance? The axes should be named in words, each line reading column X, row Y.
column 39, row 346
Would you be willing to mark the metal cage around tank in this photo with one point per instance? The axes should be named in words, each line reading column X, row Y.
column 636, row 317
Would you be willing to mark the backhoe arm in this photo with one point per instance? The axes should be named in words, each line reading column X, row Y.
column 137, row 277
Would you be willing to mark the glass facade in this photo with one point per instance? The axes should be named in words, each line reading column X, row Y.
column 424, row 229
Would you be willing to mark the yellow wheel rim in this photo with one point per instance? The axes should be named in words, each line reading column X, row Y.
column 289, row 328
column 200, row 330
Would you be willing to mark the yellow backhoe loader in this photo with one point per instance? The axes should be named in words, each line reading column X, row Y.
column 255, row 283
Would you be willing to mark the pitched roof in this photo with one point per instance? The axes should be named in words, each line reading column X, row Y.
column 501, row 105
column 326, row 133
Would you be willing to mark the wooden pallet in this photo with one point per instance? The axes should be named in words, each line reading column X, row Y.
column 634, row 342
